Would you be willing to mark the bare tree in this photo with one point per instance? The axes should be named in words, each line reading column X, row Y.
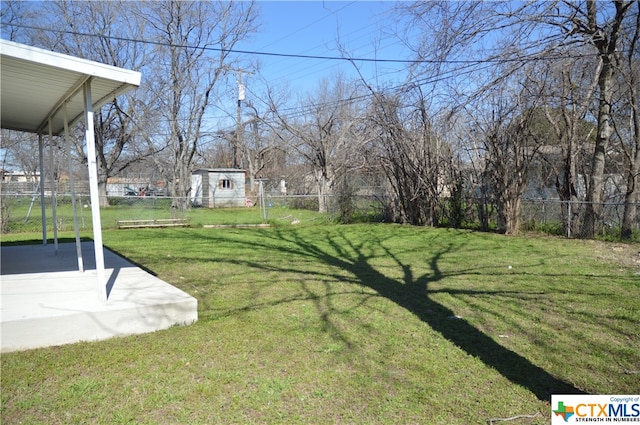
column 411, row 153
column 509, row 143
column 629, row 129
column 568, row 89
column 88, row 30
column 193, row 50
column 531, row 31
column 261, row 152
column 14, row 15
column 325, row 135
column 18, row 153
column 590, row 21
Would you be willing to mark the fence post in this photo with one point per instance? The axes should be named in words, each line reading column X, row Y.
column 569, row 219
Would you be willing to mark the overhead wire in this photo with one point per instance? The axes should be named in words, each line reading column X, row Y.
column 300, row 72
column 466, row 65
column 275, row 54
column 287, row 70
column 295, row 111
column 334, row 12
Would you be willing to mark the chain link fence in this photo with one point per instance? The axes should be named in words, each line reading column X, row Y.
column 21, row 212
column 565, row 218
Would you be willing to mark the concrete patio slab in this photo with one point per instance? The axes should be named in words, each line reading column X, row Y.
column 46, row 301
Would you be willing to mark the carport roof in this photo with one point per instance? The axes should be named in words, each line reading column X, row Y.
column 35, row 83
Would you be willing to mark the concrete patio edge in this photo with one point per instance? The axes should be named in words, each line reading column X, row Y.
column 45, row 302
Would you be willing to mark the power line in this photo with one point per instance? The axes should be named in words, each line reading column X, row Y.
column 308, row 25
column 467, row 66
column 284, row 61
column 300, row 110
column 217, row 49
column 276, row 54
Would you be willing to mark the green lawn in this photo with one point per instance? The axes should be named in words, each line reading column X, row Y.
column 22, row 217
column 320, row 323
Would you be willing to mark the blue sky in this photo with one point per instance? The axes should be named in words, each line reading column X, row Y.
column 313, row 28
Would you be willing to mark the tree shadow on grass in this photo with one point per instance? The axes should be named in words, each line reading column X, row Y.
column 412, row 293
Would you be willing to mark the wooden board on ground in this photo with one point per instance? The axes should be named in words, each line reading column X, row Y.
column 168, row 222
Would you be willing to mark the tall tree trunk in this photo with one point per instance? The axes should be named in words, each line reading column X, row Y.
column 629, row 217
column 511, row 215
column 632, row 195
column 605, row 38
column 323, row 189
column 102, row 190
column 568, row 195
column 593, row 211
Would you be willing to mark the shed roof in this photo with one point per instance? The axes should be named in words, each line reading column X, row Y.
column 218, row 170
column 37, row 82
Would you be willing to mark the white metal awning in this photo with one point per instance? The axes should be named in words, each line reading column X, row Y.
column 45, row 92
column 36, row 83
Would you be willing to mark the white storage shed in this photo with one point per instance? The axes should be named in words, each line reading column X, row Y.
column 218, row 188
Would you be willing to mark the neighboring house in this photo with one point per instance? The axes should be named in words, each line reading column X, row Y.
column 19, row 182
column 218, row 188
column 130, row 186
column 20, row 176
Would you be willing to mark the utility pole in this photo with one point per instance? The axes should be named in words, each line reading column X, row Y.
column 241, row 96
